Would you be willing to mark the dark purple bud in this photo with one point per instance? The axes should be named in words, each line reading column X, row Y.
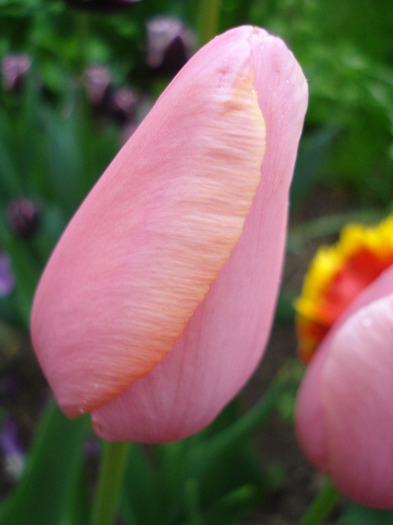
column 7, row 280
column 97, row 80
column 122, row 105
column 24, row 217
column 169, row 45
column 14, row 69
column 10, row 447
column 106, row 6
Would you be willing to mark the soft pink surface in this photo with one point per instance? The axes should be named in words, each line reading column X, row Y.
column 224, row 340
column 344, row 409
column 141, row 252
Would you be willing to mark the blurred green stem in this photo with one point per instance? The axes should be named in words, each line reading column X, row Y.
column 208, row 20
column 107, row 496
column 322, row 505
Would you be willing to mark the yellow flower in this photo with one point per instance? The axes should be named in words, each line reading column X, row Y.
column 336, row 276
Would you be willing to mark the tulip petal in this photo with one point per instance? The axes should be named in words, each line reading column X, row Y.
column 344, row 416
column 310, row 422
column 357, row 396
column 142, row 251
column 224, row 340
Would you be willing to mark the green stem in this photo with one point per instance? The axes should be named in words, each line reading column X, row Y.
column 107, row 497
column 208, row 20
column 322, row 505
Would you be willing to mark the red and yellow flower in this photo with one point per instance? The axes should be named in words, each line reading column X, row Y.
column 336, row 276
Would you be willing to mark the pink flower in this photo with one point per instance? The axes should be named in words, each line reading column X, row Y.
column 344, row 408
column 156, row 304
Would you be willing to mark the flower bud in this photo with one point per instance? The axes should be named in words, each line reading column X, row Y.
column 156, row 305
column 7, row 280
column 24, row 217
column 97, row 80
column 15, row 68
column 122, row 105
column 169, row 45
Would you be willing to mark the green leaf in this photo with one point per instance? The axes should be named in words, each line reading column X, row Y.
column 25, row 268
column 232, row 507
column 183, row 482
column 9, row 176
column 50, row 490
column 142, row 493
column 244, row 426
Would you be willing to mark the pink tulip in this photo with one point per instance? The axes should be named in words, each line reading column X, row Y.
column 156, row 304
column 344, row 414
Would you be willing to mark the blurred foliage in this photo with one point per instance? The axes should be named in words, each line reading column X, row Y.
column 211, row 478
column 345, row 49
column 358, row 515
column 57, row 476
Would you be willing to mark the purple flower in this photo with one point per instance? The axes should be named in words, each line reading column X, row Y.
column 97, row 80
column 7, row 280
column 14, row 68
column 122, row 105
column 11, row 449
column 169, row 45
column 24, row 217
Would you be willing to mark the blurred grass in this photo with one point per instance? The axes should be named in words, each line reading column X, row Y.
column 345, row 49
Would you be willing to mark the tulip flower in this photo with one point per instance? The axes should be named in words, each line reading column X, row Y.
column 154, row 309
column 344, row 416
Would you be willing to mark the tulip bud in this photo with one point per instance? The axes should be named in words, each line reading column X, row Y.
column 122, row 105
column 169, row 45
column 24, row 217
column 157, row 302
column 97, row 80
column 15, row 68
column 344, row 414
